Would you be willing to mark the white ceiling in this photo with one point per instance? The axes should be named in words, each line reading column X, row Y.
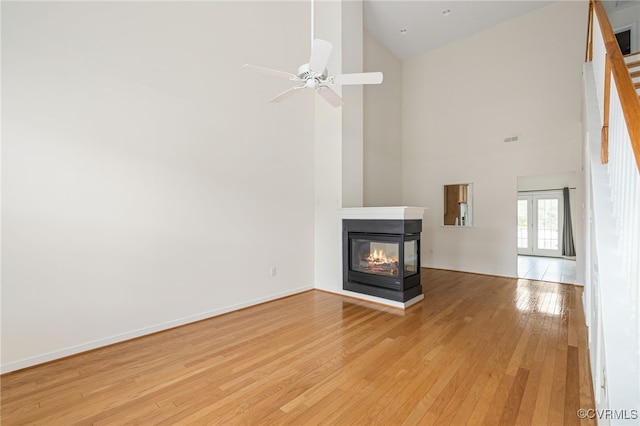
column 428, row 28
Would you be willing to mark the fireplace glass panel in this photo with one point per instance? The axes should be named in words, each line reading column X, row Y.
column 410, row 257
column 374, row 257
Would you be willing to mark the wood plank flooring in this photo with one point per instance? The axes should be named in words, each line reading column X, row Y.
column 477, row 350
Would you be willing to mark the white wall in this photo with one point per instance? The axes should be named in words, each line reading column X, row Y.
column 338, row 140
column 460, row 102
column 147, row 182
column 382, row 127
column 610, row 300
column 351, row 46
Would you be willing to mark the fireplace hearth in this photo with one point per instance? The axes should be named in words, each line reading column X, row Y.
column 381, row 257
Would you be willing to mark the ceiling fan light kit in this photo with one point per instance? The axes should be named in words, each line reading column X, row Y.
column 314, row 75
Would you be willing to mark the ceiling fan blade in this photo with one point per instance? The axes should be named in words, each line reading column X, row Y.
column 358, row 78
column 287, row 94
column 330, row 96
column 269, row 71
column 320, row 55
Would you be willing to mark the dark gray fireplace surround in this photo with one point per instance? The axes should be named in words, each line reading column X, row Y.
column 395, row 278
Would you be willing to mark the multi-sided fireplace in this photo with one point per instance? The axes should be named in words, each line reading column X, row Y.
column 382, row 257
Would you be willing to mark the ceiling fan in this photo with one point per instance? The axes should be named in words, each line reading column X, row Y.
column 314, row 75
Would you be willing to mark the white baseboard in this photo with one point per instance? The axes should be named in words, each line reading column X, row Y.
column 95, row 344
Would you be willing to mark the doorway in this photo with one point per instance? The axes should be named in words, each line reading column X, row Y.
column 624, row 41
column 540, row 223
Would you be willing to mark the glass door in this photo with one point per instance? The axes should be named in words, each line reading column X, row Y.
column 525, row 242
column 540, row 224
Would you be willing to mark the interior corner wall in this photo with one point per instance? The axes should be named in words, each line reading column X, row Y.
column 146, row 180
column 338, row 144
column 460, row 102
column 382, row 127
column 352, row 111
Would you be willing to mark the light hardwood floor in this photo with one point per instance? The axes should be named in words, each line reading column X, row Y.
column 552, row 269
column 477, row 350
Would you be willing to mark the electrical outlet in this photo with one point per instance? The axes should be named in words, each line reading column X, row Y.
column 273, row 271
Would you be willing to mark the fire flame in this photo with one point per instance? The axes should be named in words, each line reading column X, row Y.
column 379, row 257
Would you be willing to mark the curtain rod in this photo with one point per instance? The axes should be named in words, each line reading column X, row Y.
column 542, row 190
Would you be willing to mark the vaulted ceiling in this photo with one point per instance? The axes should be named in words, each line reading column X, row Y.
column 411, row 27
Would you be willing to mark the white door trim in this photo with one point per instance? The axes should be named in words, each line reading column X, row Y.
column 532, row 220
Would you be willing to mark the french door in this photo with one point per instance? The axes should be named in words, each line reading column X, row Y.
column 540, row 224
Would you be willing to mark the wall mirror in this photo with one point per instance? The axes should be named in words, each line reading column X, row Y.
column 458, row 204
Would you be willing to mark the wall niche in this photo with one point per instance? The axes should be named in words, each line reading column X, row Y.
column 458, row 204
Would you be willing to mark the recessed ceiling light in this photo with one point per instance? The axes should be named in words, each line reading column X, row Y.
column 403, row 31
column 446, row 12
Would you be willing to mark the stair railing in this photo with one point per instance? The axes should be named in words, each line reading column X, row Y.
column 611, row 70
column 620, row 108
column 616, row 275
